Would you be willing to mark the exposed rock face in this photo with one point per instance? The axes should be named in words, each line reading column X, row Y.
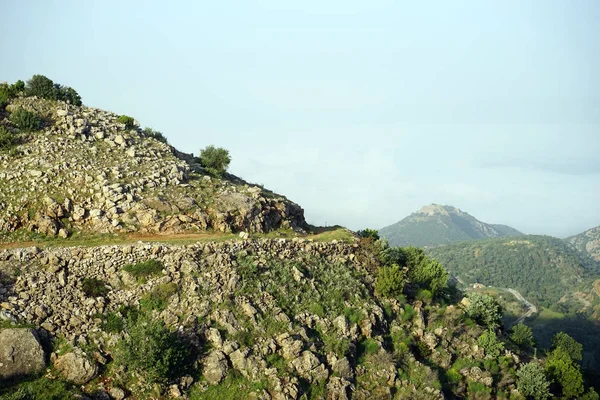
column 87, row 172
column 20, row 353
column 215, row 367
column 76, row 367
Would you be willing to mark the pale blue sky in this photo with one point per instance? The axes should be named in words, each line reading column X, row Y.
column 361, row 112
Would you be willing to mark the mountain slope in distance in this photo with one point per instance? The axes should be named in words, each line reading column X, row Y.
column 587, row 242
column 441, row 224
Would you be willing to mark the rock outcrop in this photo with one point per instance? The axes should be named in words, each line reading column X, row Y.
column 21, row 353
column 87, row 172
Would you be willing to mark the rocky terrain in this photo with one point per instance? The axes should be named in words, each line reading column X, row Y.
column 87, row 172
column 315, row 327
column 587, row 242
column 438, row 224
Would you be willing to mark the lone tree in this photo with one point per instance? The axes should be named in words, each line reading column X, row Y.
column 215, row 159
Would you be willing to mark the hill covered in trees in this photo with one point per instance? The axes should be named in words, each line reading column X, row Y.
column 438, row 224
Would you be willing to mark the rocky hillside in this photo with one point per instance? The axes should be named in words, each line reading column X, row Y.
column 86, row 172
column 587, row 242
column 438, row 224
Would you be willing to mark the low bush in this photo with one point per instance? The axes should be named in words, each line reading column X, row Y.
column 7, row 139
column 149, row 132
column 26, row 121
column 490, row 343
column 158, row 298
column 127, row 120
column 153, row 351
column 113, row 323
column 142, row 271
column 94, row 287
column 40, row 388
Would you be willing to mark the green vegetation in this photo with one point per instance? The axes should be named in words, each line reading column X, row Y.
column 43, row 87
column 113, row 323
column 7, row 139
column 144, row 270
column 569, row 345
column 152, row 350
column 563, row 370
column 127, row 120
column 522, row 336
column 234, row 387
column 215, row 160
column 368, row 234
column 490, row 343
column 40, row 388
column 149, row 132
column 484, row 309
column 542, row 268
column 27, row 121
column 94, row 287
column 158, row 298
column 390, row 281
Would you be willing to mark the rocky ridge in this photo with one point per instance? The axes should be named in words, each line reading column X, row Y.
column 217, row 305
column 87, row 172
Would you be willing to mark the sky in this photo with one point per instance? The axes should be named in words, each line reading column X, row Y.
column 362, row 112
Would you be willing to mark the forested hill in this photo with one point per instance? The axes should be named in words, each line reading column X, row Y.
column 546, row 270
column 439, row 224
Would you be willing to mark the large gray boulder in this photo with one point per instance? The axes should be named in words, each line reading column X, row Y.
column 21, row 353
column 76, row 367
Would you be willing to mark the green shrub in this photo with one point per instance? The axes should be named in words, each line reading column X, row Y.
column 522, row 336
column 27, row 121
column 561, row 368
column 215, row 160
column 7, row 139
column 390, row 281
column 336, row 345
column 532, row 382
column 490, row 343
column 153, row 351
column 372, row 234
column 4, row 97
column 409, row 313
column 41, row 86
column 364, row 348
column 93, row 287
column 149, row 132
column 423, row 350
column 144, row 270
column 127, row 120
column 113, row 323
column 158, row 298
column 317, row 309
column 484, row 309
column 477, row 389
column 353, row 315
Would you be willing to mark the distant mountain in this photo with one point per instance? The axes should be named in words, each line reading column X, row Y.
column 587, row 242
column 439, row 224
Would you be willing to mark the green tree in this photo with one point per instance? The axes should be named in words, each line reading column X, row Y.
column 570, row 345
column 532, row 382
column 490, row 343
column 561, row 368
column 484, row 309
column 215, row 159
column 127, row 120
column 67, row 94
column 41, row 86
column 390, row 281
column 522, row 336
column 368, row 234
